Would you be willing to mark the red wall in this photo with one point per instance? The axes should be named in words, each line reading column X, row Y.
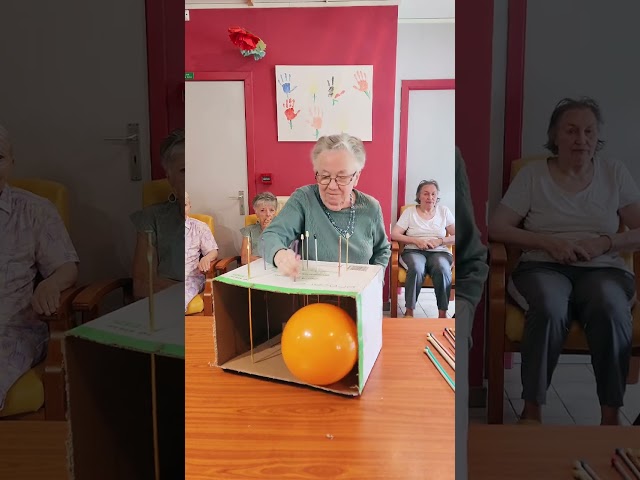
column 474, row 40
column 304, row 36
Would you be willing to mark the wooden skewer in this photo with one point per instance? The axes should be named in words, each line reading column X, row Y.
column 250, row 325
column 154, row 414
column 450, row 354
column 451, row 342
column 634, row 459
column 249, row 257
column 346, row 262
column 315, row 240
column 302, row 248
column 437, row 346
column 587, row 468
column 615, row 463
column 152, row 320
column 306, row 234
column 339, row 253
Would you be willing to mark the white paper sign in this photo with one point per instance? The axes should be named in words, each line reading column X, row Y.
column 317, row 100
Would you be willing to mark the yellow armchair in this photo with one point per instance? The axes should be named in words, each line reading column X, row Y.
column 506, row 319
column 40, row 393
column 399, row 274
column 88, row 301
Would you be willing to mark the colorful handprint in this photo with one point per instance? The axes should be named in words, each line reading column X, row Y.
column 332, row 92
column 289, row 105
column 361, row 80
column 315, row 121
column 285, row 83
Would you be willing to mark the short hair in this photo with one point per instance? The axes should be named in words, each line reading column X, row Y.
column 564, row 106
column 422, row 184
column 342, row 141
column 174, row 143
column 265, row 197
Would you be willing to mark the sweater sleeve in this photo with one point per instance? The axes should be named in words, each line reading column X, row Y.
column 471, row 254
column 285, row 227
column 381, row 245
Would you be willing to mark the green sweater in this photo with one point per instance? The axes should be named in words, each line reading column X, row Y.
column 471, row 254
column 304, row 212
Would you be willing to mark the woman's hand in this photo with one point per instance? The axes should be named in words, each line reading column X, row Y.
column 595, row 246
column 566, row 251
column 288, row 263
column 424, row 243
column 46, row 297
column 204, row 264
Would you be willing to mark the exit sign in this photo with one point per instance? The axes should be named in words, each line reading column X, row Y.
column 188, row 76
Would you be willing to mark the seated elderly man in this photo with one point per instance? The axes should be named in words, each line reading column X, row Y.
column 34, row 244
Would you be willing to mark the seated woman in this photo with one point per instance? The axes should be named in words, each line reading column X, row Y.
column 329, row 209
column 424, row 229
column 200, row 249
column 564, row 212
column 34, row 243
column 164, row 223
column 265, row 205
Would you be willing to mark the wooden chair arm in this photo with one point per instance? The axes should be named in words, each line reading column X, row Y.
column 53, row 377
column 395, row 253
column 222, row 265
column 88, row 300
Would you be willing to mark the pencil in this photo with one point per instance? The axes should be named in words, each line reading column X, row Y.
column 618, row 466
column 441, row 351
column 442, row 371
column 623, row 455
column 589, row 470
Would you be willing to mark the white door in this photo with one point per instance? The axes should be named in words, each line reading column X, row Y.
column 431, row 143
column 216, row 157
column 72, row 76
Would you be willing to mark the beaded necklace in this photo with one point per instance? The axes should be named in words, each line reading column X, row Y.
column 352, row 219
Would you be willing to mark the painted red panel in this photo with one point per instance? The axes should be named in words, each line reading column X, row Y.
column 304, row 36
column 474, row 40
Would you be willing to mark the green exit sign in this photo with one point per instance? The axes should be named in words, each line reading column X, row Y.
column 188, row 76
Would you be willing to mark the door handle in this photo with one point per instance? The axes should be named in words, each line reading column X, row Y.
column 132, row 140
column 240, row 197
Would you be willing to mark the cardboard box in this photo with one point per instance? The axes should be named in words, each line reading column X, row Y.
column 108, row 374
column 274, row 298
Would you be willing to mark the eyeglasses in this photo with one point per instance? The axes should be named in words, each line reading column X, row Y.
column 341, row 180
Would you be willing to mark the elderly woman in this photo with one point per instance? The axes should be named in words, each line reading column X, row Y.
column 329, row 209
column 164, row 223
column 427, row 229
column 200, row 249
column 564, row 212
column 265, row 205
column 33, row 242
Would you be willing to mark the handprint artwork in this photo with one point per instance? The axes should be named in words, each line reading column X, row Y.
column 315, row 120
column 289, row 105
column 285, row 83
column 322, row 97
column 361, row 80
column 333, row 95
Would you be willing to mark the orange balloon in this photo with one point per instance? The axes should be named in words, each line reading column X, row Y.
column 320, row 344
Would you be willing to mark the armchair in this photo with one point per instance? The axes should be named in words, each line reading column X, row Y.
column 40, row 393
column 506, row 319
column 399, row 273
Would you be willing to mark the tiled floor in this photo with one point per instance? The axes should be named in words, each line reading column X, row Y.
column 571, row 399
column 426, row 306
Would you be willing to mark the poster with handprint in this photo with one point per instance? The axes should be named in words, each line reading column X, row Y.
column 316, row 100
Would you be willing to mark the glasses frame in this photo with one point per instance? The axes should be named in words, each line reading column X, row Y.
column 351, row 177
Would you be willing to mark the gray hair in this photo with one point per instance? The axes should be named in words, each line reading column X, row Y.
column 424, row 183
column 564, row 105
column 265, row 197
column 343, row 141
column 172, row 145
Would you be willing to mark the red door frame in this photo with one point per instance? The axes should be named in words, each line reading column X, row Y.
column 406, row 88
column 165, row 73
column 514, row 87
column 247, row 78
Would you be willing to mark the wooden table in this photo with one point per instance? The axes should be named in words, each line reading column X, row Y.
column 401, row 428
column 33, row 450
column 544, row 452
